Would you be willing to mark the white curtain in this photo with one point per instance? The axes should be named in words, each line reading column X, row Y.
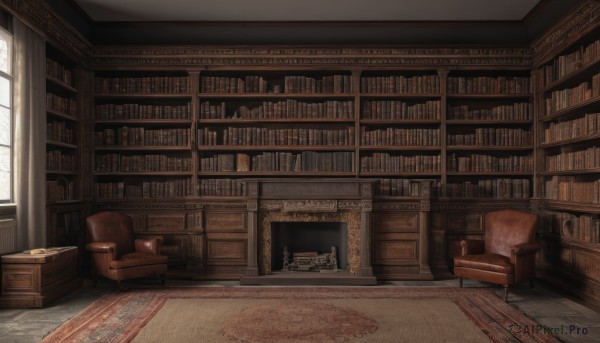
column 30, row 136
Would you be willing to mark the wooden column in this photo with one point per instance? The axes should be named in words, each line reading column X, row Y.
column 252, row 209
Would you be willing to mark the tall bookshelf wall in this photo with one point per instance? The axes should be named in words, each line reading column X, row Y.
column 187, row 134
column 64, row 115
column 569, row 142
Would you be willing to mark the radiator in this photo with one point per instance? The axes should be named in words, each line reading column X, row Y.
column 8, row 235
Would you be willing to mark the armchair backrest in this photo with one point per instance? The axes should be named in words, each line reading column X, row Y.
column 506, row 228
column 112, row 227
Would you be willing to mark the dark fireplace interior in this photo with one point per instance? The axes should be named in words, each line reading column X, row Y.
column 307, row 237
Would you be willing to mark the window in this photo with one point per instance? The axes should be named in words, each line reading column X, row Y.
column 6, row 142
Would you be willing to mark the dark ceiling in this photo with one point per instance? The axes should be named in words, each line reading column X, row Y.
column 355, row 32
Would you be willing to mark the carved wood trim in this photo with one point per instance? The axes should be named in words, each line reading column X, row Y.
column 41, row 16
column 584, row 19
column 206, row 56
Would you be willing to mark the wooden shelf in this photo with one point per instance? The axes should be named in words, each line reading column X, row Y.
column 277, row 173
column 582, row 73
column 61, row 144
column 399, row 148
column 64, row 202
column 571, row 206
column 61, row 115
column 487, row 148
column 362, row 173
column 169, row 122
column 61, row 84
column 570, row 141
column 571, row 172
column 400, row 122
column 142, row 148
column 61, row 172
column 151, row 96
column 144, row 173
column 489, row 173
column 573, row 110
column 243, row 96
column 489, row 96
column 488, row 122
column 277, row 121
column 204, row 148
column 424, row 96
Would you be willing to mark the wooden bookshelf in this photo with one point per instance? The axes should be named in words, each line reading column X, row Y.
column 64, row 179
column 569, row 176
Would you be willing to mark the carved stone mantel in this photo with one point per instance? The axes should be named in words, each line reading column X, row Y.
column 344, row 200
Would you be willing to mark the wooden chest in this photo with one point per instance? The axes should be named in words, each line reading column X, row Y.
column 30, row 281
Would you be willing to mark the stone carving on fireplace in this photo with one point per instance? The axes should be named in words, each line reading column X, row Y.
column 352, row 220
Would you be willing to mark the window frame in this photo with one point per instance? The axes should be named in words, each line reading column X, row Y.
column 8, row 36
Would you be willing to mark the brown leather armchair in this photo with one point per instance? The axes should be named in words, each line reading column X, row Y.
column 117, row 255
column 507, row 254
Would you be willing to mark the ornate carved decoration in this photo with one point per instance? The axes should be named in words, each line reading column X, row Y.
column 271, row 205
column 478, row 206
column 252, row 205
column 414, row 206
column 352, row 220
column 366, row 205
column 309, row 206
column 349, row 205
column 223, row 206
column 569, row 29
column 40, row 15
column 240, row 55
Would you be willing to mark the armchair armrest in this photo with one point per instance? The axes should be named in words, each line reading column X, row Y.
column 103, row 247
column 525, row 248
column 472, row 247
column 149, row 244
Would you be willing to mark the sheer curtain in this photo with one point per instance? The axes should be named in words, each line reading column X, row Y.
column 30, row 136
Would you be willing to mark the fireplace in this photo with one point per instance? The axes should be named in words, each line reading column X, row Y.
column 323, row 213
column 299, row 237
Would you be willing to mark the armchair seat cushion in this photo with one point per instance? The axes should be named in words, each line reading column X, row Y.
column 137, row 259
column 488, row 262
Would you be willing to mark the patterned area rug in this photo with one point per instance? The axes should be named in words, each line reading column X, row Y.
column 300, row 315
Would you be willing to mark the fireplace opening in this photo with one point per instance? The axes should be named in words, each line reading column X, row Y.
column 308, row 237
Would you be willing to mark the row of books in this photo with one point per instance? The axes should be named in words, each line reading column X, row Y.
column 515, row 111
column 143, row 111
column 59, row 71
column 386, row 163
column 488, row 163
column 565, row 98
column 575, row 160
column 141, row 85
column 288, row 84
column 289, row 108
column 489, row 85
column 582, row 227
column 140, row 136
column 429, row 84
column 407, row 187
column 324, row 84
column 393, row 109
column 270, row 136
column 567, row 188
column 306, row 161
column 569, row 63
column 142, row 163
column 571, row 129
column 58, row 131
column 147, row 189
column 57, row 160
column 503, row 188
column 59, row 104
column 222, row 187
column 400, row 137
column 488, row 136
column 60, row 190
